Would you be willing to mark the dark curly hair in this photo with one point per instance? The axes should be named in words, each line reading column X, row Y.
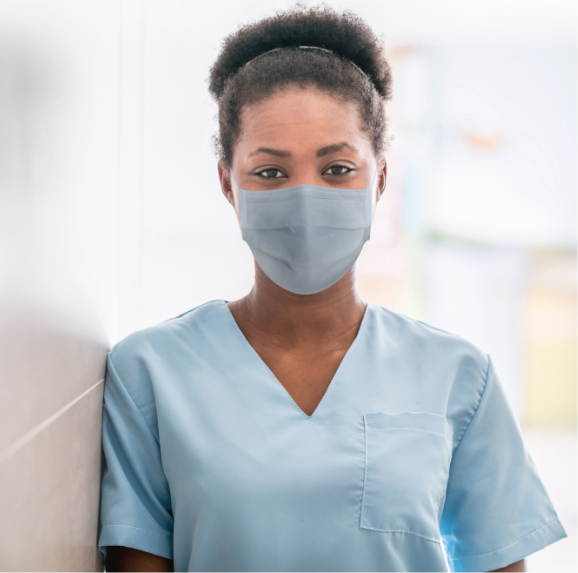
column 261, row 58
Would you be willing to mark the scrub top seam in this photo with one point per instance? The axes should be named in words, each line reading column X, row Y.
column 364, row 473
column 183, row 314
column 157, row 440
column 507, row 546
column 168, row 535
column 477, row 406
column 427, row 537
column 394, row 428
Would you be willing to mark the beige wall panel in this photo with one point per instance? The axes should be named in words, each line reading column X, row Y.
column 47, row 359
column 49, row 494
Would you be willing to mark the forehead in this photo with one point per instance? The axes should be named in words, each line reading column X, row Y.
column 301, row 117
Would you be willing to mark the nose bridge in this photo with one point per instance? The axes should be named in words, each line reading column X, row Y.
column 309, row 175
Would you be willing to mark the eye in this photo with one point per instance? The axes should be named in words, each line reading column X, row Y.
column 337, row 170
column 270, row 173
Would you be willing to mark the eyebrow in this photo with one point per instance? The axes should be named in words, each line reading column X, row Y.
column 275, row 152
column 320, row 152
column 335, row 147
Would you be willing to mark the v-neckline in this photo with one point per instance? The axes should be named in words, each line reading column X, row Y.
column 278, row 383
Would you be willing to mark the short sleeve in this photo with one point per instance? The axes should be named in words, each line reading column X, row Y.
column 496, row 509
column 135, row 508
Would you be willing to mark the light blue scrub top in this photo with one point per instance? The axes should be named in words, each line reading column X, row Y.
column 413, row 453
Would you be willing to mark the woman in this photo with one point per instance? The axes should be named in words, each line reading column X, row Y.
column 300, row 428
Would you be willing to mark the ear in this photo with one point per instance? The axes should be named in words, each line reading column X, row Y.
column 226, row 183
column 381, row 178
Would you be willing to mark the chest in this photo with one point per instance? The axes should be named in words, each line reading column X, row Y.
column 305, row 374
column 244, row 462
column 230, row 452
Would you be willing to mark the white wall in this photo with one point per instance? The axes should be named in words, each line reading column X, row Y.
column 58, row 273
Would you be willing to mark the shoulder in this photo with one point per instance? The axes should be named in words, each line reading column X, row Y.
column 163, row 338
column 136, row 358
column 425, row 341
column 455, row 369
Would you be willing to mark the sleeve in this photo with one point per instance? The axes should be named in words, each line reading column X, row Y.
column 496, row 509
column 135, row 508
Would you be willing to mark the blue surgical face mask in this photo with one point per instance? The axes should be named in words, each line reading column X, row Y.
column 306, row 237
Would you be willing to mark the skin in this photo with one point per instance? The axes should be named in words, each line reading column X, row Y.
column 296, row 136
column 127, row 559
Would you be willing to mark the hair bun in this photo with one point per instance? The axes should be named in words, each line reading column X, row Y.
column 345, row 34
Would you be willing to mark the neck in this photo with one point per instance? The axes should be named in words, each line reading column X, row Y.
column 292, row 320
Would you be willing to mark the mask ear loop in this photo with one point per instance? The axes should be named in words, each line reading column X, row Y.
column 241, row 200
column 373, row 194
column 233, row 179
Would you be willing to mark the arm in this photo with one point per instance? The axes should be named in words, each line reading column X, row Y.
column 126, row 559
column 517, row 566
column 135, row 504
column 496, row 510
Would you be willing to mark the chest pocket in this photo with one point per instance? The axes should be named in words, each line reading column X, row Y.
column 407, row 459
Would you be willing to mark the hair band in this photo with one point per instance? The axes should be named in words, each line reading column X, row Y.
column 307, row 48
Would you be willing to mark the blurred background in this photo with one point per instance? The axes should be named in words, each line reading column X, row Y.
column 112, row 219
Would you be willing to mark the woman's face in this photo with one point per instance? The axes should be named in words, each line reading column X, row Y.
column 302, row 136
